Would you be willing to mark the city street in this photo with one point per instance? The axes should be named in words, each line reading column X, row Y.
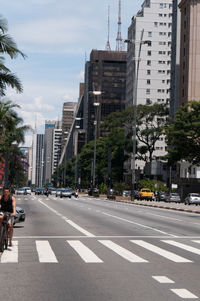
column 94, row 249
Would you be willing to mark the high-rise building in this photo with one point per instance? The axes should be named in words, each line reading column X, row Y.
column 189, row 83
column 149, row 58
column 37, row 159
column 68, row 112
column 106, row 73
column 52, row 148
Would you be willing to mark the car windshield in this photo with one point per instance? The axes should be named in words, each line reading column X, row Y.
column 21, row 189
column 195, row 194
column 174, row 194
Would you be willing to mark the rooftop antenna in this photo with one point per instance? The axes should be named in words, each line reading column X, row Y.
column 119, row 44
column 108, row 40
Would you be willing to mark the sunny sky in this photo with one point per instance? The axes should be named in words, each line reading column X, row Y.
column 57, row 36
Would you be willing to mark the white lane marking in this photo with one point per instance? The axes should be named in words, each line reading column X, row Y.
column 169, row 255
column 163, row 279
column 163, row 216
column 131, row 222
column 84, row 252
column 197, row 241
column 11, row 254
column 45, row 252
column 183, row 293
column 182, row 246
column 77, row 227
column 126, row 254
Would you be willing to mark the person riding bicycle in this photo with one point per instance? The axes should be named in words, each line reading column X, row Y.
column 8, row 204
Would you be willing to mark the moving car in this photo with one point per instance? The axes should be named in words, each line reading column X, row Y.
column 20, row 215
column 39, row 191
column 192, row 198
column 73, row 192
column 27, row 190
column 161, row 197
column 20, row 191
column 58, row 191
column 52, row 191
column 65, row 193
column 173, row 197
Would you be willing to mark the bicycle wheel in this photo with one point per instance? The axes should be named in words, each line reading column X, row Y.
column 6, row 238
column 2, row 238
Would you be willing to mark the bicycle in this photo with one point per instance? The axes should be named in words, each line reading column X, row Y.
column 4, row 232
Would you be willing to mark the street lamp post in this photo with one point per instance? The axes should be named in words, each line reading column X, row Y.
column 135, row 84
column 96, row 106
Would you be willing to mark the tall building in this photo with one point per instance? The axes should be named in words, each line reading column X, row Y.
column 52, row 148
column 37, row 159
column 105, row 72
column 189, row 83
column 68, row 113
column 149, row 63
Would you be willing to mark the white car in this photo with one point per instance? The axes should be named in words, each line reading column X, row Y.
column 192, row 198
column 20, row 191
column 27, row 190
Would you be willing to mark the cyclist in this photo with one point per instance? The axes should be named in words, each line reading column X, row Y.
column 8, row 204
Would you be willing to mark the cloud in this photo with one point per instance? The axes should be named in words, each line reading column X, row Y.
column 38, row 105
column 80, row 76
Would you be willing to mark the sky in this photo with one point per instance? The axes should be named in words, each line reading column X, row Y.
column 57, row 37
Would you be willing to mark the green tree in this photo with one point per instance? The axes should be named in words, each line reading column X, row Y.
column 9, row 47
column 183, row 134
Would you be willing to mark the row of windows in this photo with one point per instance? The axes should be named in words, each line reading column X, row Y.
column 159, row 62
column 165, row 15
column 149, row 52
column 163, row 81
column 156, row 24
column 165, row 5
column 148, row 100
column 148, row 91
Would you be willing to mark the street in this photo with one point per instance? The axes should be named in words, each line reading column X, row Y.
column 98, row 250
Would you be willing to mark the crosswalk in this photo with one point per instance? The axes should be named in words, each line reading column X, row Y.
column 46, row 251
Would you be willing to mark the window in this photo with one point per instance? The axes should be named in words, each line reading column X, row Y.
column 147, row 91
column 159, row 15
column 149, row 43
column 148, row 81
column 148, row 72
column 149, row 33
column 148, row 63
column 148, row 101
column 155, row 24
column 149, row 52
column 163, row 81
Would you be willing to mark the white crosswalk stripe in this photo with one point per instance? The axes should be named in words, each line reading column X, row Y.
column 169, row 255
column 182, row 246
column 85, row 253
column 11, row 254
column 45, row 252
column 126, row 254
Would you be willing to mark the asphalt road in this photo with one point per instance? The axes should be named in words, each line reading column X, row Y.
column 99, row 250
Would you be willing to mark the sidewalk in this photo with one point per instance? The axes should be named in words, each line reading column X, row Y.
column 163, row 205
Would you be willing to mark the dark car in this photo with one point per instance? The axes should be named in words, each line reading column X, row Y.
column 161, row 197
column 19, row 216
column 39, row 191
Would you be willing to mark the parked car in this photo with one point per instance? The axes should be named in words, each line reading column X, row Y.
column 94, row 191
column 65, row 193
column 19, row 216
column 192, row 198
column 161, row 197
column 39, row 191
column 173, row 197
column 126, row 193
column 20, row 191
column 27, row 190
column 145, row 194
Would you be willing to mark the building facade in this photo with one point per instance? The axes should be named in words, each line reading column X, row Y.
column 68, row 113
column 37, row 159
column 106, row 73
column 189, row 83
column 149, row 60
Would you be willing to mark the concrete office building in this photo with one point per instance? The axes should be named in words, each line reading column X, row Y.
column 149, row 67
column 52, row 148
column 37, row 159
column 68, row 113
column 189, row 83
column 105, row 72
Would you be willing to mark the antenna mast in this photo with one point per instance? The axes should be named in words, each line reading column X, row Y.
column 119, row 44
column 108, row 40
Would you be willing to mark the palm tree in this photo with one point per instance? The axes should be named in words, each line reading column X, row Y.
column 8, row 46
column 12, row 131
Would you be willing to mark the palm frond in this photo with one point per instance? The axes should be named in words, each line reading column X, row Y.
column 11, row 80
column 8, row 45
